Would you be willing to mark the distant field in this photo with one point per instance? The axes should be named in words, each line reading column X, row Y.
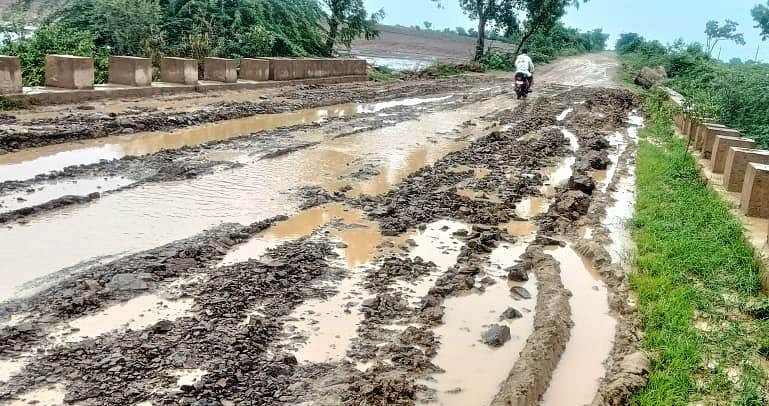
column 408, row 44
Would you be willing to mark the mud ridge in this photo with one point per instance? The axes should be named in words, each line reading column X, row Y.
column 530, row 375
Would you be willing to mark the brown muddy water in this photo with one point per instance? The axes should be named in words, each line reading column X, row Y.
column 154, row 214
column 28, row 163
column 576, row 379
column 474, row 370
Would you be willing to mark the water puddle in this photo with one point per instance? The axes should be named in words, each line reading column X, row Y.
column 576, row 379
column 564, row 114
column 48, row 396
column 321, row 329
column 187, row 377
column 11, row 367
column 621, row 211
column 358, row 236
column 50, row 191
column 28, row 163
column 559, row 175
column 475, row 370
column 135, row 314
column 155, row 214
column 438, row 244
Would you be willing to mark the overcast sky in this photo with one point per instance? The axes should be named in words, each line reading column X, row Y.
column 664, row 20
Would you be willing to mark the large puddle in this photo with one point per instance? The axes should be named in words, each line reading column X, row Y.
column 155, row 214
column 576, row 379
column 473, row 369
column 28, row 163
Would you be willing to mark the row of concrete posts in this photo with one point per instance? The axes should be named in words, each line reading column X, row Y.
column 75, row 72
column 745, row 169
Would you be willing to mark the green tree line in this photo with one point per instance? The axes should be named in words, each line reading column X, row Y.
column 735, row 93
column 189, row 28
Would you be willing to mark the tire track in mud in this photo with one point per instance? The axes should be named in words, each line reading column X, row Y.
column 251, row 362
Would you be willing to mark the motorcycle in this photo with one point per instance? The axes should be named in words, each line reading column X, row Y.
column 521, row 85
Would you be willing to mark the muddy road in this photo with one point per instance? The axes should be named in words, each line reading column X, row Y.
column 426, row 241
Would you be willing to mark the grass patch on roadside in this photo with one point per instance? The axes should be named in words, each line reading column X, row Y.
column 697, row 280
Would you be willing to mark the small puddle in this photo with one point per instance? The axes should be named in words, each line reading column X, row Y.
column 559, row 175
column 474, row 370
column 11, row 367
column 564, row 114
column 358, row 236
column 50, row 191
column 321, row 329
column 438, row 244
column 28, row 163
column 135, row 314
column 576, row 379
column 621, row 211
column 47, row 396
column 187, row 377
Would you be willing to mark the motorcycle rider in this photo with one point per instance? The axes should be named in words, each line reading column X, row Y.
column 525, row 65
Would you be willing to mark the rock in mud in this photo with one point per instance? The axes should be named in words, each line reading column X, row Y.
column 649, row 77
column 582, row 183
column 517, row 273
column 573, row 204
column 496, row 335
column 546, row 241
column 162, row 327
column 520, row 293
column 598, row 160
column 510, row 314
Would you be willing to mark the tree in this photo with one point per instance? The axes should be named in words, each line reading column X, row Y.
column 629, row 42
column 542, row 15
column 761, row 15
column 348, row 20
column 428, row 25
column 717, row 33
column 735, row 61
column 501, row 13
column 461, row 31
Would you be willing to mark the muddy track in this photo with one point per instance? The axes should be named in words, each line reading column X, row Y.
column 88, row 125
column 471, row 281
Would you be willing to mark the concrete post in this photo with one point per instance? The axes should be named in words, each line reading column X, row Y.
column 755, row 192
column 721, row 148
column 220, row 70
column 10, row 75
column 69, row 72
column 709, row 137
column 255, row 69
column 700, row 130
column 737, row 161
column 284, row 69
column 130, row 70
column 179, row 70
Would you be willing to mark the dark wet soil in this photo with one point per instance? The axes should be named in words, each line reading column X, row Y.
column 243, row 352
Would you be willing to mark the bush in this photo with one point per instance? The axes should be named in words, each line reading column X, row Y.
column 53, row 39
column 735, row 94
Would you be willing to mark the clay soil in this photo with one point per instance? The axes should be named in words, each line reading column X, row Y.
column 326, row 264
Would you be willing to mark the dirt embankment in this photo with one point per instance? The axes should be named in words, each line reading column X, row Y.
column 236, row 329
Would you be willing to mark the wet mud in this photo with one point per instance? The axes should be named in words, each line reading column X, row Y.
column 471, row 272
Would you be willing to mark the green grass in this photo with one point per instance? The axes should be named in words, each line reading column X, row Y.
column 693, row 266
